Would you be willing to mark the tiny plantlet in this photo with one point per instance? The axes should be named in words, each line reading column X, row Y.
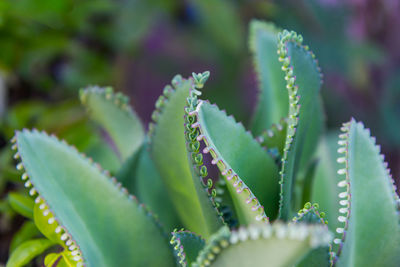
column 256, row 212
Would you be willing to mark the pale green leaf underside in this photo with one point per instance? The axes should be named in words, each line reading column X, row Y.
column 270, row 245
column 150, row 190
column 325, row 190
column 110, row 228
column 141, row 177
column 309, row 125
column 373, row 234
column 235, row 149
column 168, row 149
column 116, row 117
column 272, row 98
column 27, row 251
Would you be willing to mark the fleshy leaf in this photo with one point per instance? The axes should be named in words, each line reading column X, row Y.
column 370, row 232
column 141, row 177
column 51, row 259
column 272, row 98
column 311, row 214
column 52, row 231
column 325, row 190
column 316, row 258
column 168, row 149
column 203, row 182
column 113, row 113
column 270, row 244
column 63, row 259
column 304, row 124
column 150, row 190
column 251, row 174
column 62, row 177
column 187, row 246
column 27, row 251
column 22, row 204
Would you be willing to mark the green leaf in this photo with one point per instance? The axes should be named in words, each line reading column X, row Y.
column 22, row 204
column 274, row 137
column 304, row 124
column 41, row 220
column 101, row 152
column 99, row 220
column 67, row 260
column 51, row 259
column 203, row 182
column 272, row 98
column 113, row 113
column 63, row 259
column 310, row 214
column 187, row 246
column 27, row 251
column 150, row 190
column 369, row 195
column 168, row 149
column 316, row 258
column 251, row 174
column 267, row 245
column 27, row 231
column 305, row 187
column 324, row 189
column 225, row 203
column 218, row 17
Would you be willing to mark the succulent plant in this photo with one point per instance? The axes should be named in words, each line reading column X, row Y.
column 254, row 211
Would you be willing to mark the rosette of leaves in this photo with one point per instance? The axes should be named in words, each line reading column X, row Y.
column 89, row 217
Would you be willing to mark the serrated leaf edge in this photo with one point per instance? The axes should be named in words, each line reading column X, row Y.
column 256, row 25
column 271, row 132
column 308, row 208
column 344, row 185
column 317, row 235
column 118, row 99
column 294, row 107
column 178, row 247
column 226, row 210
column 161, row 102
column 224, row 167
column 193, row 147
column 60, row 230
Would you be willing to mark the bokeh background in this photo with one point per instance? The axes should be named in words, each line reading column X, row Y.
column 50, row 49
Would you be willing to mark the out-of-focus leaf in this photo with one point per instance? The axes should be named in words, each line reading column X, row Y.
column 22, row 204
column 27, row 251
column 220, row 20
column 27, row 231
